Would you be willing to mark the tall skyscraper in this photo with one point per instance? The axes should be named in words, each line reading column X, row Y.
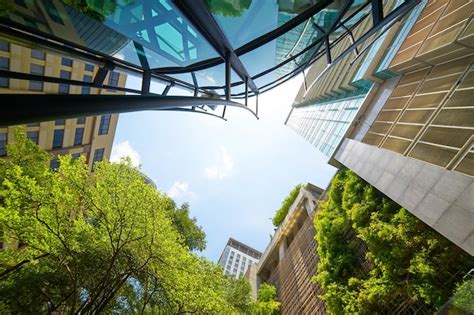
column 237, row 257
column 399, row 113
column 89, row 136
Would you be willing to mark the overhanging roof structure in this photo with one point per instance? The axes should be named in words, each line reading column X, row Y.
column 223, row 51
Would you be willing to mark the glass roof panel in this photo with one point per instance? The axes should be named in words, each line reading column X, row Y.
column 159, row 27
column 245, row 20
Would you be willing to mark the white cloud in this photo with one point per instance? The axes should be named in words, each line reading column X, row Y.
column 179, row 189
column 124, row 149
column 222, row 168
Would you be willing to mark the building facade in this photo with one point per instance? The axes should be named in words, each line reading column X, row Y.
column 400, row 114
column 89, row 136
column 291, row 258
column 237, row 257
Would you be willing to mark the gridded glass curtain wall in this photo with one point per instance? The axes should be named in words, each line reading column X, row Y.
column 231, row 48
column 324, row 125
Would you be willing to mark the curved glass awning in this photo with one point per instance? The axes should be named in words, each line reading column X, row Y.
column 233, row 49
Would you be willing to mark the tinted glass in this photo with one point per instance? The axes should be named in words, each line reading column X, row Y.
column 168, row 33
column 245, row 20
column 58, row 138
column 33, row 135
column 89, row 67
column 66, row 62
column 78, row 136
column 36, row 69
column 38, row 54
column 4, row 46
column 81, row 120
column 104, row 124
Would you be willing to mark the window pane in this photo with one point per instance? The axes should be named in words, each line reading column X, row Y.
column 4, row 63
column 60, row 122
column 87, row 78
column 58, row 138
column 114, row 78
column 63, row 89
column 36, row 86
column 33, row 135
column 66, row 62
column 104, row 124
column 65, row 74
column 75, row 156
column 78, row 136
column 85, row 90
column 36, row 69
column 3, row 143
column 38, row 54
column 89, row 67
column 4, row 46
column 54, row 164
column 81, row 120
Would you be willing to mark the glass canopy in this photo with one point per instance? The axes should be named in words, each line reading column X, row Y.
column 226, row 48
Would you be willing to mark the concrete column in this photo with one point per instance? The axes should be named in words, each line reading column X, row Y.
column 282, row 247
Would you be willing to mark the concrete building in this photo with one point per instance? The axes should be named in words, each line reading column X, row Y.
column 89, row 136
column 237, row 257
column 291, row 259
column 400, row 114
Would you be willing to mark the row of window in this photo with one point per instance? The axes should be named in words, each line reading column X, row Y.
column 98, row 157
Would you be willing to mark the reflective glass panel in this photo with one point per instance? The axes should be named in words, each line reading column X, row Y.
column 158, row 26
column 245, row 20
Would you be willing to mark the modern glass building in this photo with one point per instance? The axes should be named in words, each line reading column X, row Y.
column 237, row 257
column 411, row 130
column 184, row 55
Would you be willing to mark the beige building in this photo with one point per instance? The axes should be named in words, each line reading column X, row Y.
column 291, row 258
column 400, row 114
column 88, row 136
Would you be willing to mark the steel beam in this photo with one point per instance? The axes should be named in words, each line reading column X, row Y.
column 27, row 108
column 197, row 13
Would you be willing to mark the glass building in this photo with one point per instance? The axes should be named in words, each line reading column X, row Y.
column 237, row 257
column 399, row 113
column 186, row 55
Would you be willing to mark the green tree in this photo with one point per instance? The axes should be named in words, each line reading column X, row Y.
column 267, row 301
column 237, row 292
column 192, row 234
column 281, row 213
column 405, row 260
column 89, row 243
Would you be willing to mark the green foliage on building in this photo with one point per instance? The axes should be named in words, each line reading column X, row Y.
column 267, row 302
column 391, row 257
column 281, row 213
column 75, row 242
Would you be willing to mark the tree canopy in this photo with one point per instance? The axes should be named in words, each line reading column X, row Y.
column 75, row 242
column 281, row 213
column 405, row 260
column 267, row 301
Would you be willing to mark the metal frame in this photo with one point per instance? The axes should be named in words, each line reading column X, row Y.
column 198, row 14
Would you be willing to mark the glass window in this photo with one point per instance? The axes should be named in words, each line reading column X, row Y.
column 89, row 67
column 78, row 136
column 36, row 86
column 4, row 46
column 60, row 122
column 104, row 124
column 58, row 138
column 4, row 65
column 98, row 155
column 54, row 164
column 36, row 69
column 33, row 135
column 66, row 62
column 81, row 120
column 114, row 78
column 38, row 54
column 87, row 78
column 63, row 89
column 3, row 143
column 65, row 74
column 75, row 156
column 33, row 124
column 86, row 90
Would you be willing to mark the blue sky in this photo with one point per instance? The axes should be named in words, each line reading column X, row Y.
column 234, row 174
